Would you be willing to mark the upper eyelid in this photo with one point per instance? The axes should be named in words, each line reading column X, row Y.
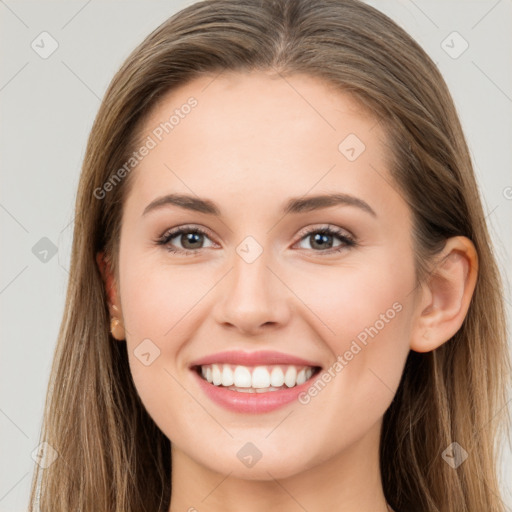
column 305, row 231
column 172, row 232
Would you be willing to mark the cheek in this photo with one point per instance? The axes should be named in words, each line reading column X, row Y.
column 161, row 306
column 157, row 304
column 370, row 315
column 156, row 298
column 349, row 299
column 364, row 314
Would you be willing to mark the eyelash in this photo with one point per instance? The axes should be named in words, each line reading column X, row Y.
column 347, row 241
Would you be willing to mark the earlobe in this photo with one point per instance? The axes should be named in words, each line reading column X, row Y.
column 116, row 327
column 446, row 295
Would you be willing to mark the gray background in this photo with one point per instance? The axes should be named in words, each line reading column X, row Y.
column 47, row 109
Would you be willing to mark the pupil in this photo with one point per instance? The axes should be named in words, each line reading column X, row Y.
column 192, row 238
column 322, row 240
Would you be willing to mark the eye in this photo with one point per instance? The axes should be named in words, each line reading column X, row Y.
column 190, row 238
column 322, row 239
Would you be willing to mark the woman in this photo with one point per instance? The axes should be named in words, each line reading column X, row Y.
column 334, row 336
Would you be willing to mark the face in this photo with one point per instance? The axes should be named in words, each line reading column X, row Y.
column 262, row 267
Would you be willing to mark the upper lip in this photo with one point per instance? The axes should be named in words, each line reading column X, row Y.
column 261, row 357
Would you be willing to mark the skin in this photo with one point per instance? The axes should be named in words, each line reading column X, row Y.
column 253, row 141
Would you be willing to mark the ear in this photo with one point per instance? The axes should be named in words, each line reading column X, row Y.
column 114, row 305
column 446, row 295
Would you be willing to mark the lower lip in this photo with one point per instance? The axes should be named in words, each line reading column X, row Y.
column 251, row 402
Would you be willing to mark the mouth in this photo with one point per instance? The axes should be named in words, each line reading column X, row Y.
column 253, row 382
column 256, row 379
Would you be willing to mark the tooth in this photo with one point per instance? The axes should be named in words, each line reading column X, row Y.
column 277, row 377
column 242, row 377
column 290, row 377
column 260, row 377
column 227, row 375
column 241, row 390
column 216, row 375
column 257, row 378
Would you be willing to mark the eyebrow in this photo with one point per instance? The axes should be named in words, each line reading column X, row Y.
column 293, row 205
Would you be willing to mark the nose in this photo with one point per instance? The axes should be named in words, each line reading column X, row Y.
column 252, row 297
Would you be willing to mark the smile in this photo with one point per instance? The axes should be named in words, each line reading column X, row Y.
column 256, row 379
column 253, row 382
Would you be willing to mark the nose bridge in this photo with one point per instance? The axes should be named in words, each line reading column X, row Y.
column 252, row 296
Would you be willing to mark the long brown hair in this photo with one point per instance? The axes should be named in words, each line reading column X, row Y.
column 112, row 456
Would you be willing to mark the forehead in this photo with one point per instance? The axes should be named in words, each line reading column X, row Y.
column 232, row 133
column 238, row 106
